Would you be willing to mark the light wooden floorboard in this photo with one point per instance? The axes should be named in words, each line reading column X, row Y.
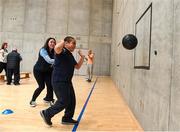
column 105, row 111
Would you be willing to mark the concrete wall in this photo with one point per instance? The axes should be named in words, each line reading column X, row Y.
column 175, row 89
column 26, row 24
column 153, row 95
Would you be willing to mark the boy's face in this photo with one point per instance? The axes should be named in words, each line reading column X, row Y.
column 71, row 46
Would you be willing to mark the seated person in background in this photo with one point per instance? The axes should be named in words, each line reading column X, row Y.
column 13, row 67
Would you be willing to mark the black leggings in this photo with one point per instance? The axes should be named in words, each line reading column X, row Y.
column 43, row 78
column 2, row 66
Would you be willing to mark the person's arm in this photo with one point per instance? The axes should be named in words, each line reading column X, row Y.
column 5, row 53
column 20, row 58
column 2, row 52
column 46, row 57
column 80, row 62
column 86, row 59
column 59, row 47
column 91, row 55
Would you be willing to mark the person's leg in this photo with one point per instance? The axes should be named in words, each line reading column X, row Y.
column 1, row 67
column 49, row 94
column 69, row 110
column 88, row 72
column 16, row 76
column 5, row 68
column 9, row 76
column 91, row 72
column 61, row 91
column 39, row 76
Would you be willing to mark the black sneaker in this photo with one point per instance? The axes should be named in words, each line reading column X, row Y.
column 16, row 83
column 89, row 80
column 32, row 103
column 69, row 121
column 51, row 103
column 46, row 119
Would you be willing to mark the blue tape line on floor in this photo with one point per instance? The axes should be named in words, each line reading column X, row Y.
column 84, row 107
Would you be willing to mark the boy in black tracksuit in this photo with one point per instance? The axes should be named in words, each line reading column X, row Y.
column 62, row 82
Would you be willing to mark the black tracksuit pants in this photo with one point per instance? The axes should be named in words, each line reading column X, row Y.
column 65, row 100
column 10, row 73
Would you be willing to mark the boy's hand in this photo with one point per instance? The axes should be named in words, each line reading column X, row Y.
column 80, row 53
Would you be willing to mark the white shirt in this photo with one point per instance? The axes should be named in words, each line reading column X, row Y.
column 3, row 55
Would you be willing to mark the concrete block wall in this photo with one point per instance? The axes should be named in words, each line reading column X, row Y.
column 26, row 24
column 175, row 89
column 152, row 95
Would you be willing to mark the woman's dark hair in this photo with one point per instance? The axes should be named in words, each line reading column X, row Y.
column 69, row 39
column 3, row 45
column 46, row 44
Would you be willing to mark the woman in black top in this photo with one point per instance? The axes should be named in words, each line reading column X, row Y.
column 43, row 70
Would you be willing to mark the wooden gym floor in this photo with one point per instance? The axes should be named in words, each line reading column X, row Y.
column 105, row 109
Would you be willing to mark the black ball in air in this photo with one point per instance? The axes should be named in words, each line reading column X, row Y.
column 129, row 41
